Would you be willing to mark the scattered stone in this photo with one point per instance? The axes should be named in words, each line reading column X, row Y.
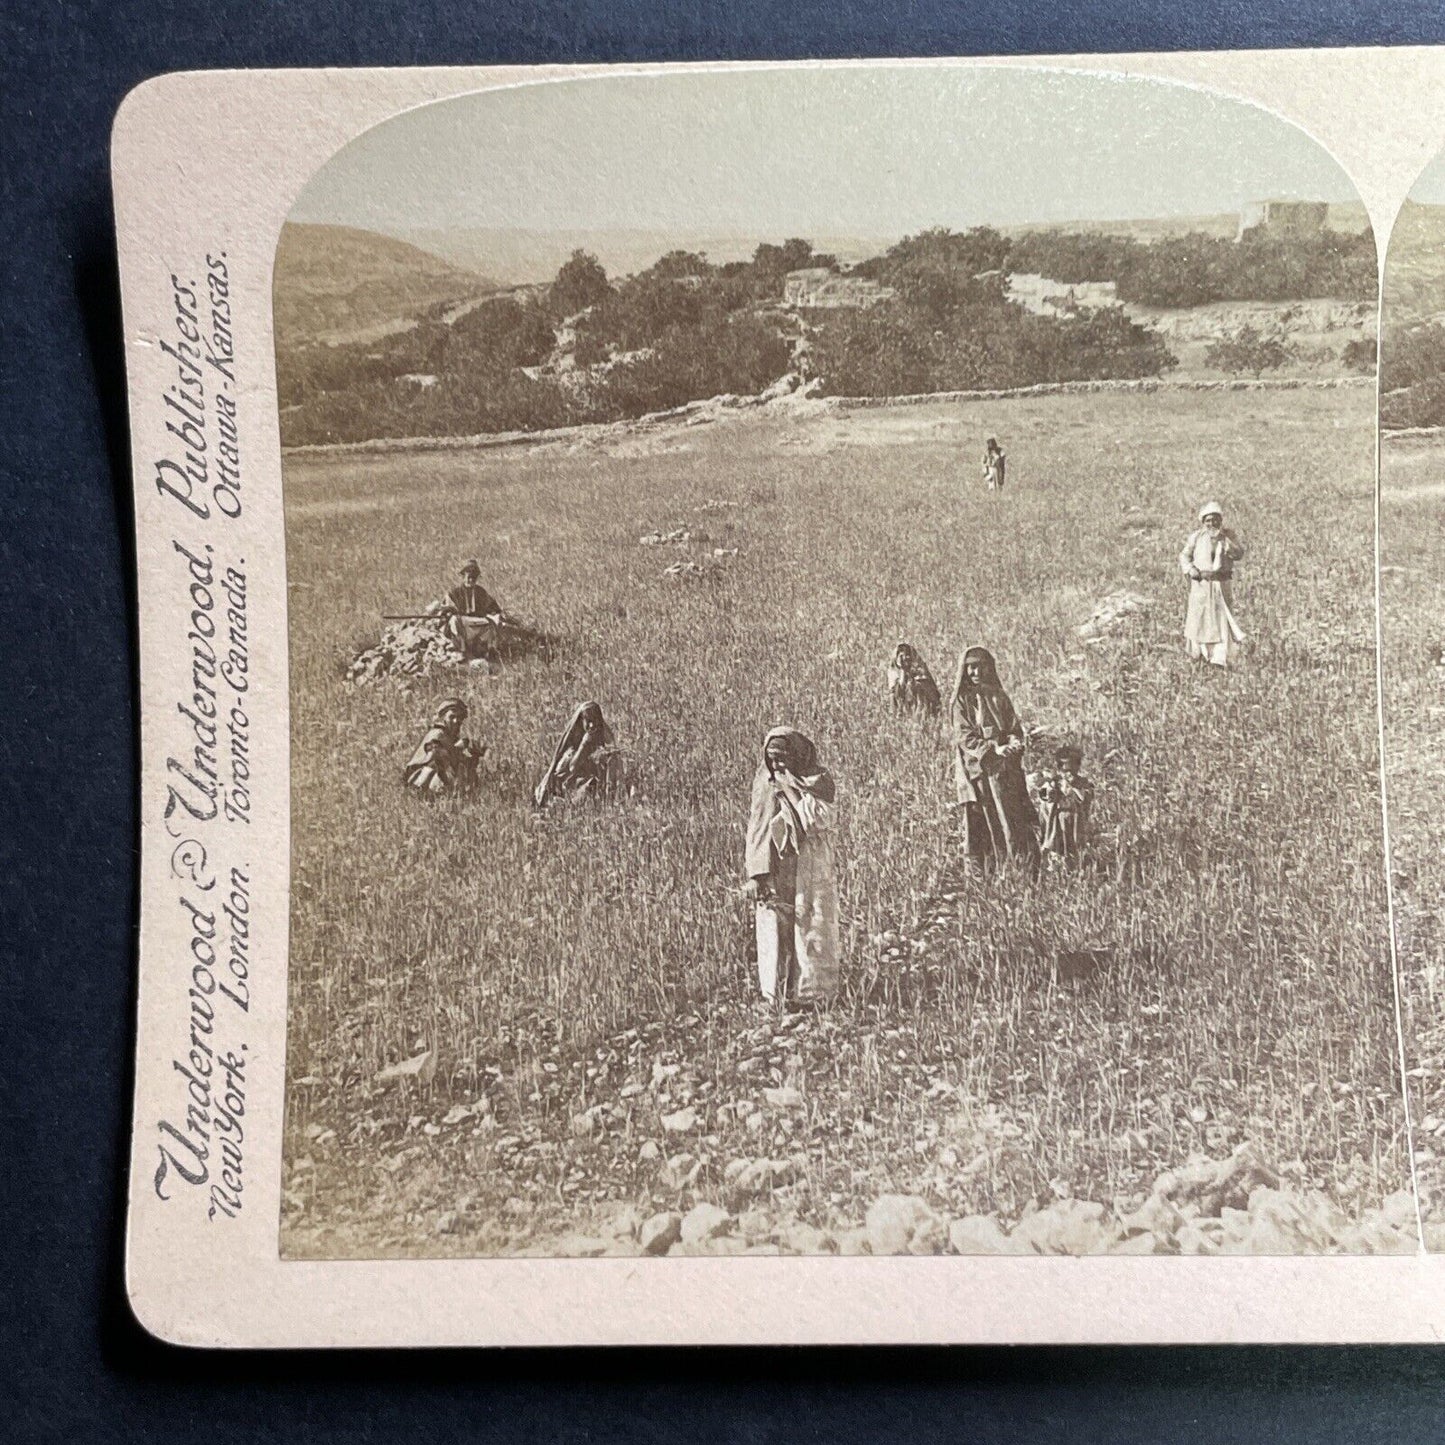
column 421, row 1068
column 1156, row 1215
column 658, row 1234
column 459, row 1113
column 1398, row 1210
column 1067, row 1226
column 981, row 1234
column 681, row 1170
column 785, row 1097
column 686, row 572
column 625, row 1224
column 581, row 1246
column 704, row 1222
column 1199, row 1236
column 800, row 1237
column 1145, row 1243
column 1208, row 1186
column 903, row 1224
column 681, row 1122
column 649, row 1151
column 754, row 1176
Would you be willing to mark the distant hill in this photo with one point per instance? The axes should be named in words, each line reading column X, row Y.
column 341, row 284
column 520, row 258
column 1415, row 266
column 1342, row 216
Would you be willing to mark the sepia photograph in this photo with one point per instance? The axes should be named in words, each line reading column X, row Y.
column 1412, row 655
column 833, row 679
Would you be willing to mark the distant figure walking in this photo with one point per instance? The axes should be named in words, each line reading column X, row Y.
column 911, row 687
column 444, row 761
column 1064, row 798
column 998, row 818
column 1208, row 561
column 790, row 871
column 994, row 461
column 587, row 763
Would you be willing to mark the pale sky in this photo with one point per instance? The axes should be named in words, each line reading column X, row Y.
column 1430, row 188
column 868, row 152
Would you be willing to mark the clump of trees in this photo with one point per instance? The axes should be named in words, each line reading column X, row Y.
column 1197, row 269
column 687, row 328
column 951, row 327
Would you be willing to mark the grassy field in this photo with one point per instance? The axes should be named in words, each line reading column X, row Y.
column 1412, row 604
column 581, row 975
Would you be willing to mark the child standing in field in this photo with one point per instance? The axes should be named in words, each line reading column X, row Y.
column 1064, row 798
column 790, row 871
column 993, row 465
column 911, row 687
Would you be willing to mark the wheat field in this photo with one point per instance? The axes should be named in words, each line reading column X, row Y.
column 1218, row 973
column 1412, row 590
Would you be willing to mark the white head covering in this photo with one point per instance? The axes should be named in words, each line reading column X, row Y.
column 1210, row 509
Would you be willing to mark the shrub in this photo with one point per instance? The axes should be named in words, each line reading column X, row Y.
column 1248, row 350
column 581, row 282
column 1362, row 354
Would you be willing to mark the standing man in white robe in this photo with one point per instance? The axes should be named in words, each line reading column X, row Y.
column 1208, row 558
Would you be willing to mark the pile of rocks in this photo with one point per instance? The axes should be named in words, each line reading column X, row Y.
column 1113, row 614
column 407, row 649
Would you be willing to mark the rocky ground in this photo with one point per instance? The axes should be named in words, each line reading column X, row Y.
column 1229, row 1206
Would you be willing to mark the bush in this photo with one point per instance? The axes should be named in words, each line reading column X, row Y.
column 580, row 283
column 1248, row 350
column 1362, row 354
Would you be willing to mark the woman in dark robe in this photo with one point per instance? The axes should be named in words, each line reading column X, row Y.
column 998, row 818
column 790, row 871
column 911, row 687
column 444, row 761
column 587, row 762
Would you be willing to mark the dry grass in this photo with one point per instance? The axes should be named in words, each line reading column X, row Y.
column 1237, row 899
column 1412, row 614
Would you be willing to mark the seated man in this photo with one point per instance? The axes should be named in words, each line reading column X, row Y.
column 472, row 613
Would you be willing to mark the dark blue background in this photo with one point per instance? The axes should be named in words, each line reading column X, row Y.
column 74, row 1365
